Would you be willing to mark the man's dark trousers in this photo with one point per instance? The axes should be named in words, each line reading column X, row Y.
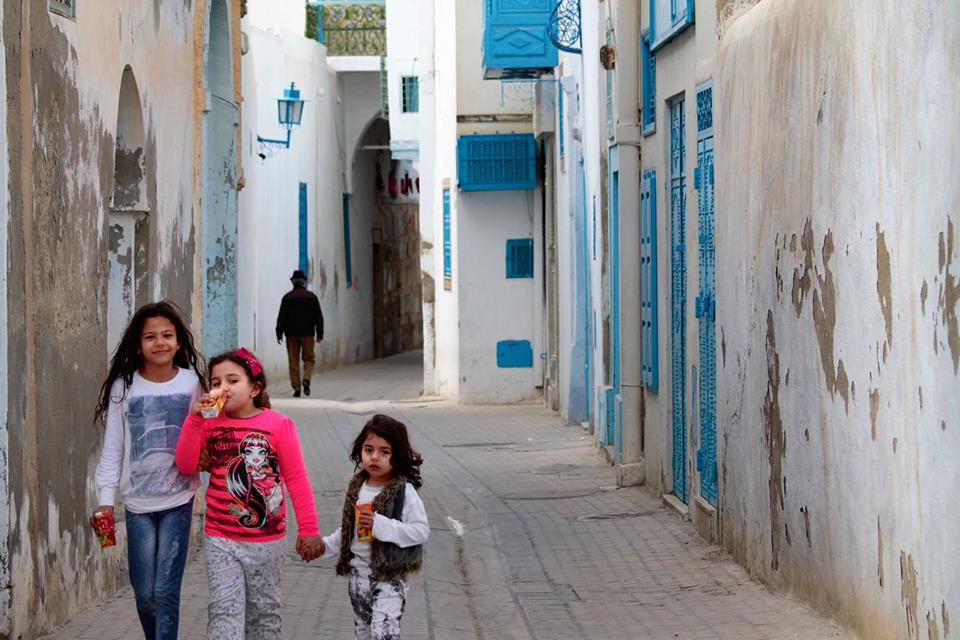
column 297, row 346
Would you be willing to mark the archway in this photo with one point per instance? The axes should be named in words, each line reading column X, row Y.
column 386, row 191
column 128, row 219
column 218, row 197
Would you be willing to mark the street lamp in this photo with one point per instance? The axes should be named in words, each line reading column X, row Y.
column 289, row 114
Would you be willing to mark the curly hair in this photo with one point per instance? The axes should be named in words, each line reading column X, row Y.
column 404, row 459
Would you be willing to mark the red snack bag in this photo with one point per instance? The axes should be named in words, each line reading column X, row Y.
column 363, row 534
column 105, row 528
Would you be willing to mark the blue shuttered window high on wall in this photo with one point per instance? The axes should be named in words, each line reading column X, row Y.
column 302, row 262
column 648, row 76
column 498, row 162
column 447, row 244
column 649, row 339
column 669, row 18
column 516, row 42
column 520, row 258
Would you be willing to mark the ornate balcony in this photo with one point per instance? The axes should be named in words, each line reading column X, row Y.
column 355, row 28
column 516, row 41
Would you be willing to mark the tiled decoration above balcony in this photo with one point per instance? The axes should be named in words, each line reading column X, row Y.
column 516, row 42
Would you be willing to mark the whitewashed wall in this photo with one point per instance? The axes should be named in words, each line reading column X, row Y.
column 837, row 307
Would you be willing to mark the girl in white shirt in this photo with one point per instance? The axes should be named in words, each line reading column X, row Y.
column 155, row 377
column 377, row 565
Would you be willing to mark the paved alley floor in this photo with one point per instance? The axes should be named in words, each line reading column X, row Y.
column 530, row 536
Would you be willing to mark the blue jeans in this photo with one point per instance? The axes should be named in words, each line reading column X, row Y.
column 157, row 545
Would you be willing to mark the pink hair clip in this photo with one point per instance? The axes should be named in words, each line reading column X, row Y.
column 255, row 367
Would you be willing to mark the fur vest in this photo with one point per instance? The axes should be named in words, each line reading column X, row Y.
column 387, row 560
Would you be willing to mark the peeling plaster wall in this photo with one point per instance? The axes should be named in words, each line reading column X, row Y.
column 63, row 78
column 837, row 272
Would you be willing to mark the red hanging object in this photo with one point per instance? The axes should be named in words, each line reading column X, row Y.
column 393, row 187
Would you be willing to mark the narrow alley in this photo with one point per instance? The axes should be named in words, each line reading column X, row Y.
column 530, row 536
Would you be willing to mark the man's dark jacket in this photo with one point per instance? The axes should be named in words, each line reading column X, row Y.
column 300, row 315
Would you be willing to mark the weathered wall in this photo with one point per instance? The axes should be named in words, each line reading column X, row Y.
column 63, row 78
column 837, row 261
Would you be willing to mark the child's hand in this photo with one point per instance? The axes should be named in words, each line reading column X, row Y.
column 310, row 547
column 365, row 520
column 204, row 401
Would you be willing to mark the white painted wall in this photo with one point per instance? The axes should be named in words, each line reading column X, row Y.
column 485, row 221
column 277, row 16
column 444, row 141
column 404, row 18
column 427, row 168
column 837, row 307
column 358, row 106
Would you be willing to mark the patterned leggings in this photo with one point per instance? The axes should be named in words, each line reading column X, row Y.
column 244, row 581
column 377, row 606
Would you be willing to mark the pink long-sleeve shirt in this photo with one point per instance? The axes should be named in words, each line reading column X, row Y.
column 251, row 459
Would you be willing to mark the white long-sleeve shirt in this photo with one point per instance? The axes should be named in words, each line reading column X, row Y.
column 414, row 529
column 139, row 442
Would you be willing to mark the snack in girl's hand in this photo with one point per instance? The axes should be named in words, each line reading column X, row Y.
column 105, row 527
column 212, row 408
column 364, row 534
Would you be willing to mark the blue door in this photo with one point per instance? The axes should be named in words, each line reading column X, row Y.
column 678, row 297
column 706, row 300
column 613, row 413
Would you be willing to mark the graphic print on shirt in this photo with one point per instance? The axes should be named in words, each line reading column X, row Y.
column 155, row 423
column 253, row 480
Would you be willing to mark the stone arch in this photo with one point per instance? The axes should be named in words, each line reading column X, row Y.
column 128, row 218
column 218, row 197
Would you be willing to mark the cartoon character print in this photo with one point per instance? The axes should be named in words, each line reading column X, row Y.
column 253, row 479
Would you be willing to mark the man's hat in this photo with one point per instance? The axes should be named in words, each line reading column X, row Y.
column 298, row 274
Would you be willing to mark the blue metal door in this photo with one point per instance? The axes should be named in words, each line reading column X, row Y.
column 613, row 426
column 706, row 300
column 678, row 297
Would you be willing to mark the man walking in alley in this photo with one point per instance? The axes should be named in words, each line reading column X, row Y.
column 301, row 321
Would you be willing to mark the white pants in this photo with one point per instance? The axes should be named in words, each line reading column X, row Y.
column 377, row 606
column 244, row 581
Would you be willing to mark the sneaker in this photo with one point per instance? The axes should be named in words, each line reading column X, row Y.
column 296, row 393
column 306, row 387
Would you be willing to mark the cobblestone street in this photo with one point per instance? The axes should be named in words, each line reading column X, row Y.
column 530, row 536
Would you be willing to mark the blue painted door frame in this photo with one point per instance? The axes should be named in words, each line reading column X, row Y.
column 706, row 300
column 678, row 296
column 613, row 425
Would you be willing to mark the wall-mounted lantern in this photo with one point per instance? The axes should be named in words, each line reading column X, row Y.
column 289, row 114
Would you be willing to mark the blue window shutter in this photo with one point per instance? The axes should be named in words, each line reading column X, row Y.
column 514, row 354
column 520, row 258
column 303, row 227
column 348, row 259
column 447, row 258
column 648, row 282
column 649, row 85
column 497, row 162
column 668, row 19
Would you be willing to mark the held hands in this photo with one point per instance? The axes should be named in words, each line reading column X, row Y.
column 310, row 547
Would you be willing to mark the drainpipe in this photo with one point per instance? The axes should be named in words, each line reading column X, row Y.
column 627, row 135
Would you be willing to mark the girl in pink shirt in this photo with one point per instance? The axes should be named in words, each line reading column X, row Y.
column 254, row 453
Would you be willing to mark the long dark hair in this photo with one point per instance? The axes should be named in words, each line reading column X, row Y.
column 241, row 487
column 262, row 400
column 404, row 459
column 127, row 358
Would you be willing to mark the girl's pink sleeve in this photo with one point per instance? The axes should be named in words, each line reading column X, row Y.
column 192, row 438
column 298, row 484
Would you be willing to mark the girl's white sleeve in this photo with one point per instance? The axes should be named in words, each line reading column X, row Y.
column 111, row 457
column 414, row 530
column 332, row 544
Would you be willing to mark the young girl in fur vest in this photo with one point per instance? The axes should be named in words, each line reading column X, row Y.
column 377, row 567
